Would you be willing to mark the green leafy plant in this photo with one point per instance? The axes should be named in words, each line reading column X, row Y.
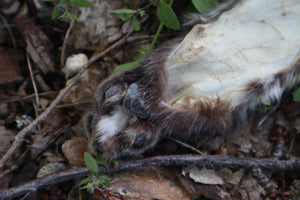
column 264, row 107
column 297, row 95
column 126, row 66
column 93, row 181
column 130, row 65
column 130, row 15
column 166, row 16
column 205, row 6
column 62, row 10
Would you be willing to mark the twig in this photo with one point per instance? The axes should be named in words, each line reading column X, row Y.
column 62, row 56
column 173, row 160
column 266, row 116
column 13, row 40
column 20, row 161
column 19, row 137
column 263, row 180
column 37, row 4
column 186, row 145
column 69, row 105
column 279, row 149
column 37, row 100
column 20, row 98
column 25, row 196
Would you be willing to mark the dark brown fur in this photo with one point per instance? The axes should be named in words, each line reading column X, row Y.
column 151, row 79
column 135, row 102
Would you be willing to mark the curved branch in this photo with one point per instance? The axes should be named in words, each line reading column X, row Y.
column 269, row 164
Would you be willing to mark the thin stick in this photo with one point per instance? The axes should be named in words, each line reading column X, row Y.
column 62, row 56
column 69, row 105
column 186, row 145
column 37, row 99
column 20, row 136
column 21, row 98
column 173, row 160
column 13, row 40
column 266, row 116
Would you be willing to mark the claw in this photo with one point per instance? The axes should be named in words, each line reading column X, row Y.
column 132, row 103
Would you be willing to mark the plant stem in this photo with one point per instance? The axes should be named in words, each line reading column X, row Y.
column 160, row 27
column 148, row 5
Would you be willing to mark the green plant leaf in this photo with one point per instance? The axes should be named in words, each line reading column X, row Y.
column 205, row 6
column 101, row 160
column 82, row 3
column 167, row 16
column 56, row 11
column 91, row 163
column 116, row 163
column 105, row 181
column 267, row 102
column 142, row 13
column 124, row 14
column 143, row 53
column 90, row 187
column 297, row 95
column 86, row 180
column 85, row 187
column 74, row 17
column 136, row 24
column 126, row 66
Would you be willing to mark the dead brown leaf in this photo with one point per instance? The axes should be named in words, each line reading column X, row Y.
column 74, row 150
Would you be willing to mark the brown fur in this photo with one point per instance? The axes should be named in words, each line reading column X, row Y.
column 151, row 79
column 140, row 118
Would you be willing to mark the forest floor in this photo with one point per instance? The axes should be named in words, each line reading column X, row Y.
column 41, row 103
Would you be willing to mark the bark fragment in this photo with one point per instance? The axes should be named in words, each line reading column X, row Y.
column 38, row 46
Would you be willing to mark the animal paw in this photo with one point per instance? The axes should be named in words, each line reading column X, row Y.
column 132, row 103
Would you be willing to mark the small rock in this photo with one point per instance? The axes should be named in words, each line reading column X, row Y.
column 74, row 63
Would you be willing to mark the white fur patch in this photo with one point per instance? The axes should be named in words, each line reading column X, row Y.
column 108, row 126
column 245, row 44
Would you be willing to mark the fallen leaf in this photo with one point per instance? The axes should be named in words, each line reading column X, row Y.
column 203, row 175
column 74, row 150
column 51, row 168
column 144, row 184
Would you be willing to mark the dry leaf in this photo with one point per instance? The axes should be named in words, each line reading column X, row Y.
column 145, row 184
column 51, row 168
column 74, row 150
column 203, row 175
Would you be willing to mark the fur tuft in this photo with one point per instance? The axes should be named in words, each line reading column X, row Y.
column 202, row 84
